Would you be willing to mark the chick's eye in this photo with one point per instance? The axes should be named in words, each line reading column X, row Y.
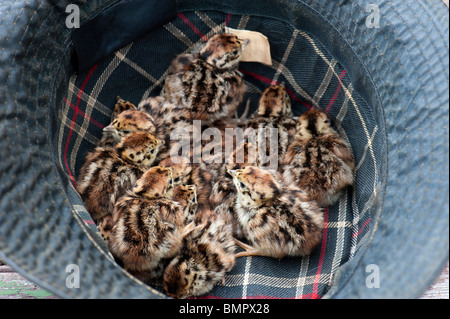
column 176, row 180
column 242, row 185
column 235, row 52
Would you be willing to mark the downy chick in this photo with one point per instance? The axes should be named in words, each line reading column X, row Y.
column 130, row 120
column 318, row 160
column 208, row 83
column 122, row 106
column 182, row 169
column 186, row 196
column 273, row 126
column 108, row 172
column 168, row 118
column 148, row 226
column 223, row 193
column 186, row 173
column 277, row 221
column 207, row 255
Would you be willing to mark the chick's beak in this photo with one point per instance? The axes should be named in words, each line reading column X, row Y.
column 232, row 172
column 109, row 128
column 245, row 42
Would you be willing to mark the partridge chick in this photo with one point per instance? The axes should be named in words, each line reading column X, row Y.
column 122, row 106
column 186, row 196
column 130, row 120
column 318, row 160
column 108, row 137
column 108, row 172
column 186, row 173
column 182, row 169
column 223, row 193
column 148, row 227
column 272, row 126
column 206, row 255
column 168, row 118
column 276, row 220
column 208, row 83
column 165, row 113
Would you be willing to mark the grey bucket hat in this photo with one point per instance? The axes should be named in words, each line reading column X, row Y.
column 381, row 71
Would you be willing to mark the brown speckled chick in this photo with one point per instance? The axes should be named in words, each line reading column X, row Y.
column 122, row 106
column 208, row 83
column 182, row 169
column 276, row 220
column 274, row 113
column 148, row 227
column 186, row 196
column 319, row 161
column 168, row 117
column 206, row 256
column 166, row 114
column 185, row 173
column 223, row 193
column 109, row 172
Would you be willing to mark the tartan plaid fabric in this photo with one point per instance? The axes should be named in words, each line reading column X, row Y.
column 312, row 77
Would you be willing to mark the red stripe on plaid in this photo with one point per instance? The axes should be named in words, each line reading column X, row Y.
column 338, row 90
column 90, row 119
column 315, row 293
column 362, row 228
column 75, row 115
column 259, row 77
column 292, row 95
column 227, row 19
column 305, row 296
column 269, row 81
column 247, row 297
column 193, row 27
column 309, row 296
